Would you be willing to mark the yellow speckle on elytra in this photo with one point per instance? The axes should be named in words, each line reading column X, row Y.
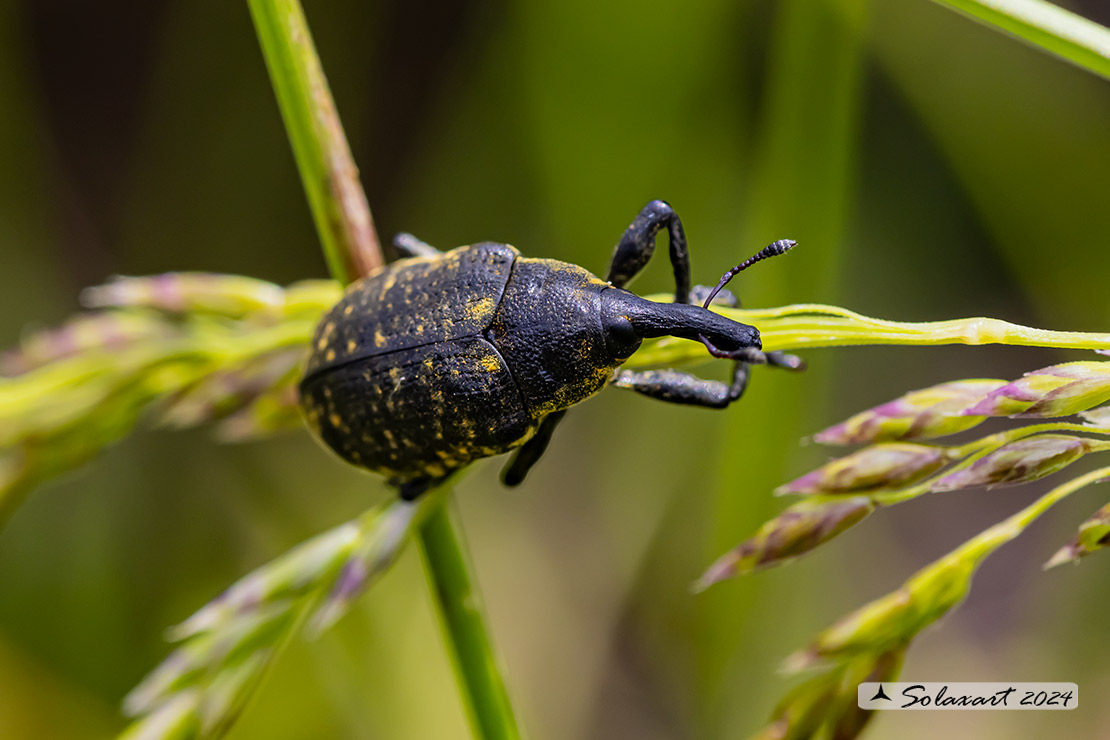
column 479, row 309
column 351, row 345
column 335, row 420
column 323, row 342
column 379, row 338
column 349, row 309
column 491, row 363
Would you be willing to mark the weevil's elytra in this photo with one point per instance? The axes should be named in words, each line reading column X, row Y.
column 443, row 358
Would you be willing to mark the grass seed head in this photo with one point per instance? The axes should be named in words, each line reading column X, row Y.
column 884, row 466
column 1059, row 390
column 1021, row 461
column 922, row 414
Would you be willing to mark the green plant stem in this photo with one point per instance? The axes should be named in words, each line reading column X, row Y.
column 352, row 248
column 983, row 544
column 1046, row 26
column 485, row 699
column 324, row 160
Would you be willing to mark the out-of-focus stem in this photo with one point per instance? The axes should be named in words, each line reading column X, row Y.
column 352, row 248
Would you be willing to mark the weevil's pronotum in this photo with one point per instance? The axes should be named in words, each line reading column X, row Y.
column 442, row 358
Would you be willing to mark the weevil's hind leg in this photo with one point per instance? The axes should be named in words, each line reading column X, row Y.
column 675, row 386
column 408, row 245
column 528, row 454
column 636, row 246
column 414, row 489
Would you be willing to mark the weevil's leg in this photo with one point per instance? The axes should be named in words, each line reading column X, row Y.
column 414, row 489
column 674, row 386
column 755, row 356
column 724, row 297
column 635, row 248
column 408, row 245
column 527, row 456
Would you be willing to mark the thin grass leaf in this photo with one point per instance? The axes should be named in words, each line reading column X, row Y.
column 1045, row 26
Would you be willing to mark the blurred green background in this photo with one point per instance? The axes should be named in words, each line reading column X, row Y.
column 929, row 168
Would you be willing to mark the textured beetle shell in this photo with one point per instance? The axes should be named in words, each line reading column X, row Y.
column 431, row 363
column 414, row 302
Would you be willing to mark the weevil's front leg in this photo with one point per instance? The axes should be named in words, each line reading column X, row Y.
column 674, row 386
column 527, row 456
column 636, row 246
column 408, row 245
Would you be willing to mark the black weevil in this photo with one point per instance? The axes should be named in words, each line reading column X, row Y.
column 446, row 357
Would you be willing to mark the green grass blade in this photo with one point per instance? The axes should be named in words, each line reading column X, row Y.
column 1072, row 37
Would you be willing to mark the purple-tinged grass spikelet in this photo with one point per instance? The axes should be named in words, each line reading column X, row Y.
column 178, row 718
column 795, row 531
column 109, row 331
column 1021, row 461
column 188, row 664
column 883, row 466
column 233, row 296
column 380, row 545
column 1094, row 534
column 921, row 414
column 290, row 576
column 1059, row 390
column 1098, row 418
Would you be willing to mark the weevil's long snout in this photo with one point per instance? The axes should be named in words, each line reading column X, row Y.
column 651, row 319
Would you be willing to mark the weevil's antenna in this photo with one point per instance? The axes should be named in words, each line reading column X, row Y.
column 782, row 246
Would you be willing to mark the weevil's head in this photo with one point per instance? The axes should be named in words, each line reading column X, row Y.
column 627, row 320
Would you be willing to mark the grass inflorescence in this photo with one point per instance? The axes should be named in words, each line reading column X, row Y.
column 897, row 465
column 185, row 349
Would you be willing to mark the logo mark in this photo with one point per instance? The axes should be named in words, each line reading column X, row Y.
column 880, row 694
